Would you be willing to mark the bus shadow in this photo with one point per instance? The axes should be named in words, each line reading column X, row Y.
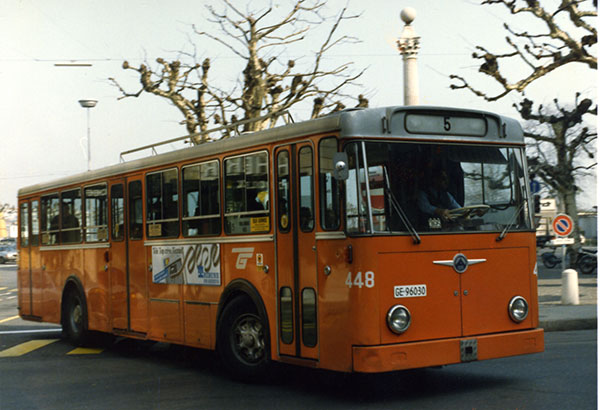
column 382, row 387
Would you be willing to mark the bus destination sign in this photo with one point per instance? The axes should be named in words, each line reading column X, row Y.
column 445, row 125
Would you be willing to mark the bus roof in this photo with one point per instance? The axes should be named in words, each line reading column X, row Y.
column 410, row 122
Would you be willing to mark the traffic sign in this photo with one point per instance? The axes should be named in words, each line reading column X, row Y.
column 534, row 186
column 562, row 225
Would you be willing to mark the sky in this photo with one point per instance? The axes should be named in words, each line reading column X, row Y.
column 43, row 127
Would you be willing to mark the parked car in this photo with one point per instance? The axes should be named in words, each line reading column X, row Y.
column 8, row 254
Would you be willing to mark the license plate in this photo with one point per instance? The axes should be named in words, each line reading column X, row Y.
column 410, row 291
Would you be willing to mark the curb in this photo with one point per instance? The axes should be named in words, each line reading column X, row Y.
column 562, row 325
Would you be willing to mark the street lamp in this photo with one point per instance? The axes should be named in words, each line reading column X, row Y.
column 88, row 104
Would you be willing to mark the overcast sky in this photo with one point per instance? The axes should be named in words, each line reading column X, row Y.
column 43, row 125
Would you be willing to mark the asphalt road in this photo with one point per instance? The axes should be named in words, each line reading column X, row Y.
column 128, row 374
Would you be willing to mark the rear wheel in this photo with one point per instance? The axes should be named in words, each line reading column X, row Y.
column 242, row 340
column 75, row 323
column 587, row 264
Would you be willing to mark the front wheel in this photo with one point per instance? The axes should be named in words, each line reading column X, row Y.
column 242, row 340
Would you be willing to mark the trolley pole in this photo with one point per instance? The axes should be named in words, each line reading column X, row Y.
column 408, row 45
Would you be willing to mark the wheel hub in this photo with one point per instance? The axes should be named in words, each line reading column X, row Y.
column 249, row 339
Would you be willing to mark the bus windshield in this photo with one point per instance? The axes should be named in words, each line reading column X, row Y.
column 432, row 188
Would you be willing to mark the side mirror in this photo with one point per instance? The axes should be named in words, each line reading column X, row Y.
column 340, row 166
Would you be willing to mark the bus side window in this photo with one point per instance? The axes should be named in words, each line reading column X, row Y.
column 24, row 221
column 35, row 223
column 136, row 222
column 329, row 189
column 117, row 212
column 162, row 204
column 247, row 194
column 50, row 219
column 283, row 190
column 70, row 217
column 307, row 190
column 201, row 199
column 96, row 214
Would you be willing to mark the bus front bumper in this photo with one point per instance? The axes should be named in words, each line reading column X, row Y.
column 385, row 358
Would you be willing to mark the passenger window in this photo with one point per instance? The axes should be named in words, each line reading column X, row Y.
column 307, row 193
column 283, row 190
column 201, row 199
column 136, row 222
column 35, row 223
column 96, row 213
column 117, row 212
column 162, row 206
column 329, row 189
column 24, row 221
column 50, row 219
column 356, row 200
column 70, row 217
column 247, row 194
column 309, row 317
column 286, row 307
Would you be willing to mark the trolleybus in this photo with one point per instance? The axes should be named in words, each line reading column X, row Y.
column 370, row 240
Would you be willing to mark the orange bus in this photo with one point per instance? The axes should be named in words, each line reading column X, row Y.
column 370, row 240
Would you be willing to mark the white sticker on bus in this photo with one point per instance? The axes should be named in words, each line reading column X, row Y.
column 410, row 291
column 187, row 264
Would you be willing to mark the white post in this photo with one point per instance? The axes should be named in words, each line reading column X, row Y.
column 408, row 45
column 570, row 287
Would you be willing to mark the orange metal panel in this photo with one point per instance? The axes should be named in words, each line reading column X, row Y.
column 370, row 359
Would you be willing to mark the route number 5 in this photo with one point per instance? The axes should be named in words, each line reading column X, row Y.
column 357, row 281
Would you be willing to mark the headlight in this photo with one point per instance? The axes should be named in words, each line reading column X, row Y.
column 398, row 319
column 518, row 309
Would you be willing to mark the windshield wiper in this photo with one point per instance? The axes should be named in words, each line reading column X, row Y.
column 396, row 206
column 512, row 221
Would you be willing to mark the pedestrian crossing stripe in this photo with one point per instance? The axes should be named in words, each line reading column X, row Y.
column 30, row 346
column 24, row 348
column 85, row 350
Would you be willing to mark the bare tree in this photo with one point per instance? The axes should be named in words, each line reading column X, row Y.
column 543, row 52
column 267, row 87
column 562, row 147
column 558, row 135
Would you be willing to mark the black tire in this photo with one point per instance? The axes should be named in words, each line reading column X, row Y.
column 587, row 264
column 549, row 261
column 75, row 322
column 242, row 341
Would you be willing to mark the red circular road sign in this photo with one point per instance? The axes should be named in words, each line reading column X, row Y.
column 562, row 225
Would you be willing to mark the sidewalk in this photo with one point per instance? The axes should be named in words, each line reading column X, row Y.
column 555, row 316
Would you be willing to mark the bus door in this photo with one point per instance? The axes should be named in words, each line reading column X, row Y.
column 296, row 256
column 129, row 301
column 30, row 263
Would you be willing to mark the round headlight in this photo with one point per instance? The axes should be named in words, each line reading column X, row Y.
column 398, row 319
column 518, row 309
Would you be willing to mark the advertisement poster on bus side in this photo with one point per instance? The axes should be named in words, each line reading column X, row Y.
column 187, row 264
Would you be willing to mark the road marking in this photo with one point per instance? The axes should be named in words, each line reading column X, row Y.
column 24, row 348
column 14, row 290
column 20, row 332
column 8, row 319
column 86, row 350
column 2, row 288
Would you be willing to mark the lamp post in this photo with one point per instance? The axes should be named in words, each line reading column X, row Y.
column 408, row 45
column 87, row 104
